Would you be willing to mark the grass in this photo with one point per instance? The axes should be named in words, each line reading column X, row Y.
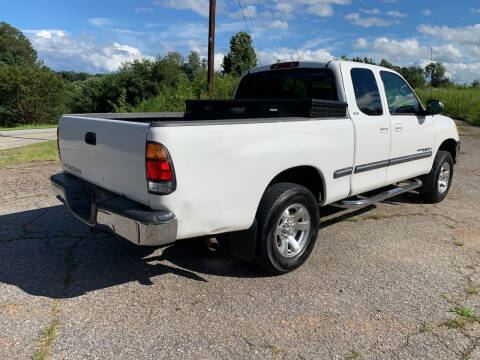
column 472, row 291
column 462, row 104
column 464, row 312
column 34, row 152
column 458, row 243
column 463, row 316
column 45, row 342
column 456, row 323
column 354, row 354
column 29, row 127
column 275, row 349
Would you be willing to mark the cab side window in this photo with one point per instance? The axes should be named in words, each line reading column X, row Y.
column 400, row 97
column 366, row 92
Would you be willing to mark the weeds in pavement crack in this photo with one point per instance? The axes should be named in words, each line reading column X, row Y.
column 49, row 334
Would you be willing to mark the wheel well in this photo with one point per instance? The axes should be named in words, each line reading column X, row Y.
column 449, row 145
column 307, row 176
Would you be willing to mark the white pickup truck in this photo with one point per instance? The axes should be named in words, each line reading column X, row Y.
column 298, row 136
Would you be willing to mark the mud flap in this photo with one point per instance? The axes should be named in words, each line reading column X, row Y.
column 242, row 243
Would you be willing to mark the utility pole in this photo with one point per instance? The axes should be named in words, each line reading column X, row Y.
column 211, row 47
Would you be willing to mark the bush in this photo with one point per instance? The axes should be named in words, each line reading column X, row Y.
column 172, row 99
column 30, row 94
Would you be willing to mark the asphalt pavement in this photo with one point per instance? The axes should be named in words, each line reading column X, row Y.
column 16, row 138
column 384, row 282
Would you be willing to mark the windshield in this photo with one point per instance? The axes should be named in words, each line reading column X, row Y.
column 300, row 83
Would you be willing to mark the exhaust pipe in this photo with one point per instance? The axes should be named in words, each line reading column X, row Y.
column 212, row 244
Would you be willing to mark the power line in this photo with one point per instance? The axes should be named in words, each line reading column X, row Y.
column 244, row 19
column 246, row 23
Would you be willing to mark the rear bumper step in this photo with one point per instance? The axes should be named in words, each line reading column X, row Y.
column 105, row 210
column 355, row 204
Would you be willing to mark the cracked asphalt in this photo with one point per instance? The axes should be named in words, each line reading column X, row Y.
column 380, row 284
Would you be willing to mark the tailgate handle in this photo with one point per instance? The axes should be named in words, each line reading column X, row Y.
column 91, row 138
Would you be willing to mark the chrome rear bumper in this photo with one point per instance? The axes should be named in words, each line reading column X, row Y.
column 105, row 210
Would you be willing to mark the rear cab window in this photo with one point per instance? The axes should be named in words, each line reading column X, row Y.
column 299, row 83
column 366, row 91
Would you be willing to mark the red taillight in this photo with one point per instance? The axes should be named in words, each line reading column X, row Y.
column 159, row 170
column 160, row 175
column 285, row 65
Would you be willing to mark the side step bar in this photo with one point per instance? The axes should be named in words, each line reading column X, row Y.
column 355, row 204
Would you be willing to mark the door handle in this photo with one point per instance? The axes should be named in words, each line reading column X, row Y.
column 398, row 127
column 91, row 138
column 383, row 128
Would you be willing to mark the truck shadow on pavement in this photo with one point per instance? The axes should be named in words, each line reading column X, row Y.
column 47, row 252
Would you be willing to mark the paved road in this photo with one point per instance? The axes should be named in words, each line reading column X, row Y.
column 379, row 284
column 16, row 138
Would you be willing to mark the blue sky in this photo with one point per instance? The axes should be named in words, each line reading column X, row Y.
column 97, row 36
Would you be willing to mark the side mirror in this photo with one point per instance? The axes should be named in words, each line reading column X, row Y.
column 434, row 107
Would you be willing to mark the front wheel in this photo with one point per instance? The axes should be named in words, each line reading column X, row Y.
column 436, row 184
column 288, row 221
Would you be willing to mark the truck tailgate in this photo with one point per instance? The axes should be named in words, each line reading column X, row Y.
column 107, row 153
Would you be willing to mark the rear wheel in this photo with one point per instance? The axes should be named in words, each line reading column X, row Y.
column 288, row 221
column 436, row 184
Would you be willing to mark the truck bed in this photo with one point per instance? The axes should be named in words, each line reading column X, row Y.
column 207, row 110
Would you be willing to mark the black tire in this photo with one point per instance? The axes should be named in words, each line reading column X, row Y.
column 430, row 191
column 276, row 200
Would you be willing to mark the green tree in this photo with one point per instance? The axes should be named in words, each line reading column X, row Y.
column 365, row 60
column 414, row 76
column 241, row 56
column 194, row 65
column 15, row 48
column 436, row 72
column 476, row 83
column 30, row 94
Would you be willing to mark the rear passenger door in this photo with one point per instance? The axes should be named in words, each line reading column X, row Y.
column 413, row 135
column 372, row 128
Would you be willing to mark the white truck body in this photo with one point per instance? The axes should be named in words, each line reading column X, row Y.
column 223, row 167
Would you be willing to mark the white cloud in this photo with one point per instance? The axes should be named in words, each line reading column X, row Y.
column 278, row 24
column 316, row 42
column 46, row 34
column 396, row 14
column 408, row 52
column 427, row 12
column 476, row 10
column 356, row 19
column 361, row 43
column 292, row 8
column 464, row 73
column 249, row 12
column 447, row 53
column 100, row 22
column 201, row 7
column 390, row 1
column 62, row 51
column 372, row 11
column 466, row 34
column 397, row 50
column 271, row 56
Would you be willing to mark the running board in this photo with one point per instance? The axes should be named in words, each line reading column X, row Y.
column 349, row 204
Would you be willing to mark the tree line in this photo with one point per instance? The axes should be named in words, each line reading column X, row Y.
column 31, row 93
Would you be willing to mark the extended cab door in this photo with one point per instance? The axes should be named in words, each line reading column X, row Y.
column 372, row 128
column 413, row 135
